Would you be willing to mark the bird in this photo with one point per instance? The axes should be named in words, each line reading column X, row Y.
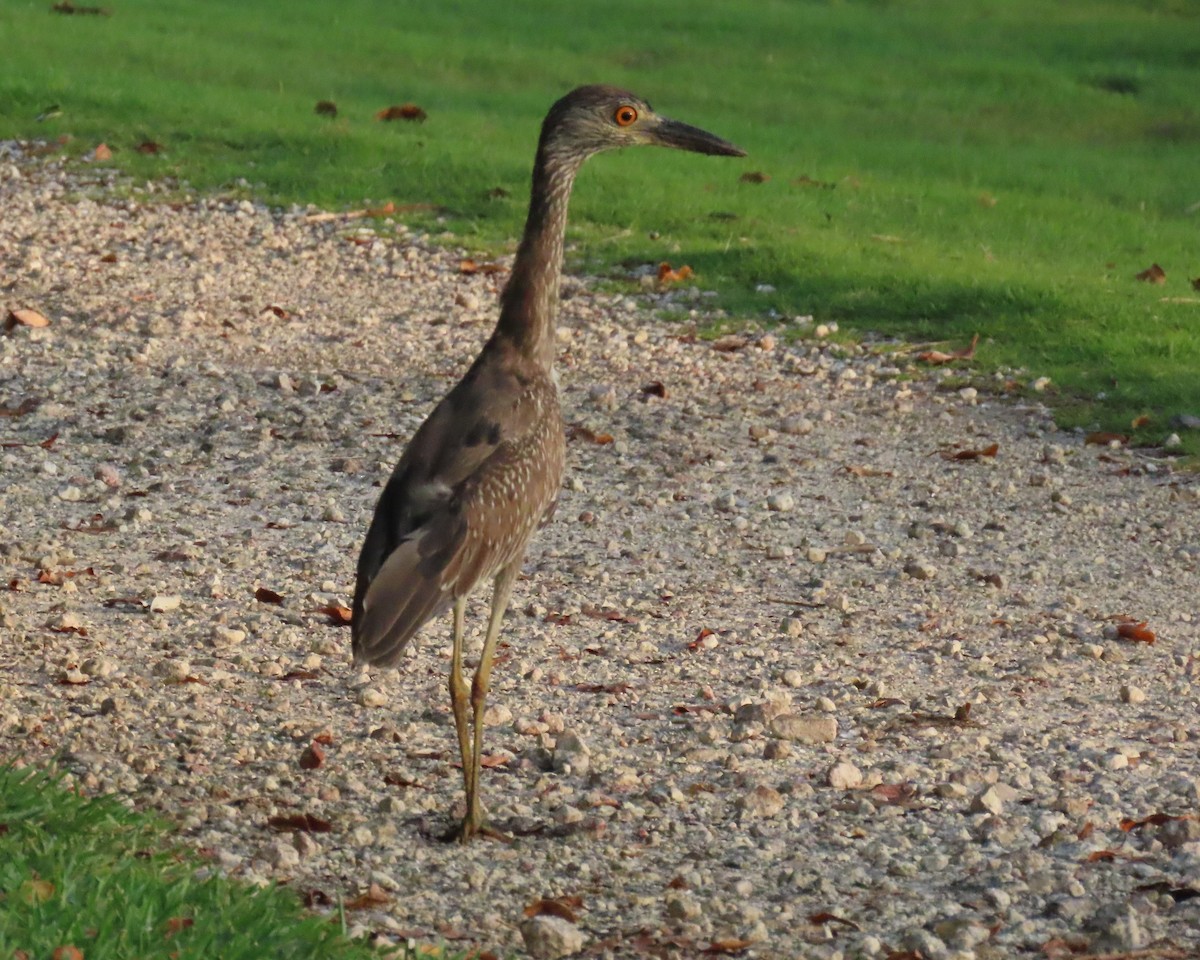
column 484, row 470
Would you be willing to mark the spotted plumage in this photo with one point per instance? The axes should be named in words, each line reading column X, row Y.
column 484, row 469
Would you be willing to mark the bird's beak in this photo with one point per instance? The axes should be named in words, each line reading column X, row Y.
column 683, row 136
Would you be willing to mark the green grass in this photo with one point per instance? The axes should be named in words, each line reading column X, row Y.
column 1000, row 166
column 88, row 873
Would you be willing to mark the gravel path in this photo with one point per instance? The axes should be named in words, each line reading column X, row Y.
column 786, row 676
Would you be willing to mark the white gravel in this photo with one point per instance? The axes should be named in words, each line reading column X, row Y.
column 731, row 711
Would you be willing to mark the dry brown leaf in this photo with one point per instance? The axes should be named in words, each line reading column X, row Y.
column 102, row 152
column 312, row 757
column 281, row 312
column 176, row 924
column 564, row 907
column 832, row 918
column 149, row 147
column 655, row 389
column 1154, row 820
column 35, row 891
column 338, row 615
column 754, row 176
column 729, row 344
column 1152, row 274
column 939, row 356
column 700, row 637
column 405, row 111
column 724, row 947
column 304, row 822
column 677, row 883
column 893, row 793
column 28, row 405
column 469, row 266
column 584, row 433
column 1104, row 437
column 23, row 317
column 375, row 896
column 667, row 275
column 1138, row 422
column 989, row 451
column 493, row 760
column 325, row 108
column 266, row 595
column 1138, row 632
column 67, row 951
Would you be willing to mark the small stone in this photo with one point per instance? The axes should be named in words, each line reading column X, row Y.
column 816, row 554
column 73, row 676
column 988, row 801
column 107, row 474
column 305, row 845
column 571, row 754
column 1132, row 695
column 548, row 937
column 173, row 668
column 222, row 636
column 372, row 697
column 793, row 678
column 165, row 603
column 682, row 905
column 762, row 801
column 791, row 626
column 920, row 569
column 796, row 426
column 280, row 854
column 111, row 705
column 782, row 502
column 1040, row 384
column 844, row 776
column 804, row 728
column 777, row 750
column 285, row 383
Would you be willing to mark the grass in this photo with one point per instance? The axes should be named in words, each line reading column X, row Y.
column 89, row 874
column 937, row 167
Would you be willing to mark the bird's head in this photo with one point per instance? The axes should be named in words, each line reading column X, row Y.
column 594, row 118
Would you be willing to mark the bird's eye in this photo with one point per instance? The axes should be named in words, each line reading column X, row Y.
column 625, row 116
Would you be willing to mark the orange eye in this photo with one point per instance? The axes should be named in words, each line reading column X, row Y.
column 625, row 116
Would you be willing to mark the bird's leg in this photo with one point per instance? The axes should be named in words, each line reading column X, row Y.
column 458, row 693
column 479, row 690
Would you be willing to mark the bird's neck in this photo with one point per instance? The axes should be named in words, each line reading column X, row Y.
column 529, row 303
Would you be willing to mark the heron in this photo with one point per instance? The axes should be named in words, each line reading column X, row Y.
column 484, row 470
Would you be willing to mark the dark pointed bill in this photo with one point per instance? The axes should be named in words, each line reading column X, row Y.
column 683, row 136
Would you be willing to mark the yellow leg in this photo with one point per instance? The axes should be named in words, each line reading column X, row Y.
column 501, row 593
column 458, row 692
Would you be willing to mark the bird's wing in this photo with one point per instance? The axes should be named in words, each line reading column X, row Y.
column 412, row 562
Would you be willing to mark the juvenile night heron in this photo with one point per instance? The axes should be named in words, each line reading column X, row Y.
column 484, row 469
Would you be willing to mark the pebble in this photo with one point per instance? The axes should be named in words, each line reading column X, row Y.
column 920, row 569
column 762, row 801
column 549, row 937
column 844, row 776
column 804, row 728
column 165, row 603
column 781, row 502
column 988, row 800
column 372, row 697
column 1131, row 694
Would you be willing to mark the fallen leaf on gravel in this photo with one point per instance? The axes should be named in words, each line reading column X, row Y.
column 137, row 602
column 938, row 356
column 398, row 780
column 700, row 638
column 677, row 883
column 266, row 595
column 667, row 275
column 832, row 918
column 885, row 702
column 581, row 432
column 28, row 405
column 893, row 793
column 754, row 176
column 325, row 738
column 1103, row 438
column 655, row 389
column 564, row 907
column 1137, row 632
column 615, row 616
column 989, row 451
column 405, row 111
column 25, row 317
column 338, row 615
column 720, row 947
column 304, row 822
column 1154, row 820
column 325, row 108
column 1152, row 274
column 374, row 897
column 1178, row 894
column 469, row 266
column 281, row 312
column 312, row 757
column 176, row 924
column 494, row 760
column 729, row 344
